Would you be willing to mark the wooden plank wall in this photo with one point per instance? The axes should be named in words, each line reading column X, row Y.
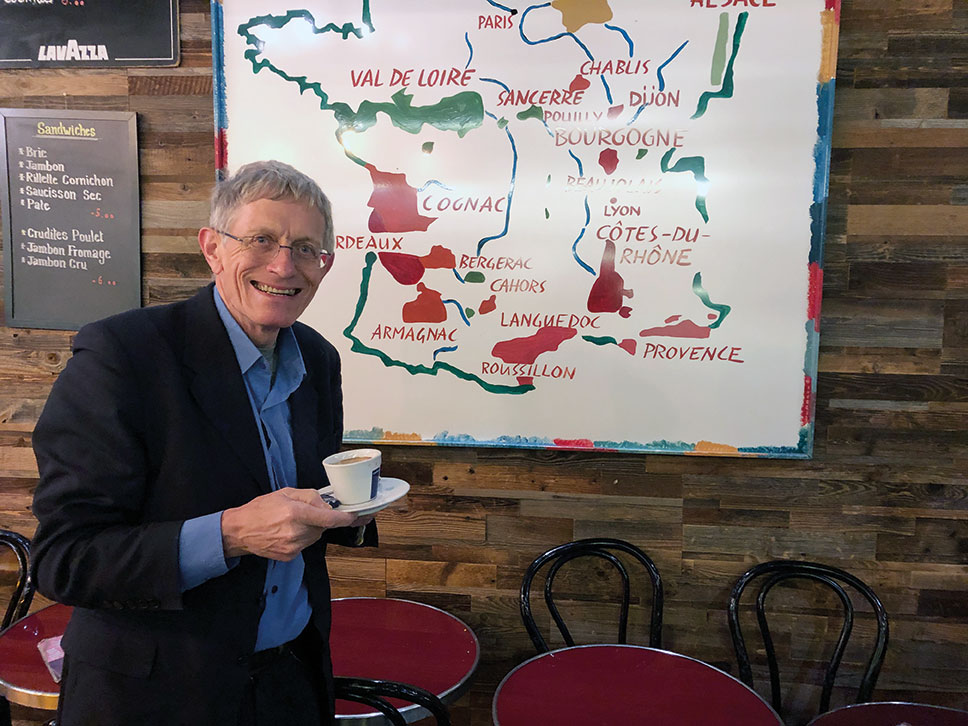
column 885, row 496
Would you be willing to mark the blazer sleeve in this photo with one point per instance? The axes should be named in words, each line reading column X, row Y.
column 92, row 547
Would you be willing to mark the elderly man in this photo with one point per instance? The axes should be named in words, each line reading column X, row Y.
column 179, row 454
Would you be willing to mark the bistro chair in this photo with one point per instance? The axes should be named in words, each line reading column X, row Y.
column 602, row 548
column 777, row 571
column 375, row 693
column 23, row 590
column 20, row 598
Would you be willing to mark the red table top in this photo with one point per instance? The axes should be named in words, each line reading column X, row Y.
column 892, row 714
column 24, row 678
column 400, row 640
column 604, row 685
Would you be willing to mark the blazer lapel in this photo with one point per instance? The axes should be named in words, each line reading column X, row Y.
column 218, row 387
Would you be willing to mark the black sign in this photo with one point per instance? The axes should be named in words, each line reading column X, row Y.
column 88, row 33
column 71, row 216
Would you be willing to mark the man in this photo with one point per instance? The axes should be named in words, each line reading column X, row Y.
column 179, row 454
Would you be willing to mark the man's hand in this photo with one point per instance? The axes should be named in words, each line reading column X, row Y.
column 280, row 525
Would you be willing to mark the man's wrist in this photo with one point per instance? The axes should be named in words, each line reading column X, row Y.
column 231, row 541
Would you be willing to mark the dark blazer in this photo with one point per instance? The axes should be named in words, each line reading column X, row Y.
column 147, row 426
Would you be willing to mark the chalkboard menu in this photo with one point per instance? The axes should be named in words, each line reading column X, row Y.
column 71, row 216
column 88, row 33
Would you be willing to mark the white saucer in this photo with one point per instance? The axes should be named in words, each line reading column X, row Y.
column 389, row 490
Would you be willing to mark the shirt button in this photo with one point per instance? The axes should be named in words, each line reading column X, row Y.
column 275, row 589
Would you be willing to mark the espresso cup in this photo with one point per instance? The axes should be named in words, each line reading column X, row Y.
column 354, row 474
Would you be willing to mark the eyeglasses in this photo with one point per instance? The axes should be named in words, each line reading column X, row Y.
column 264, row 247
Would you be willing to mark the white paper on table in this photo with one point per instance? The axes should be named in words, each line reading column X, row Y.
column 53, row 656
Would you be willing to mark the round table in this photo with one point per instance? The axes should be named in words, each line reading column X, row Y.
column 604, row 685
column 24, row 679
column 400, row 640
column 892, row 714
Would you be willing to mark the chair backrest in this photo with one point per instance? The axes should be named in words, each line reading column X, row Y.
column 23, row 591
column 776, row 571
column 374, row 693
column 603, row 548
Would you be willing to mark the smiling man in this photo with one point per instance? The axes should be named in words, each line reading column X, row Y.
column 179, row 453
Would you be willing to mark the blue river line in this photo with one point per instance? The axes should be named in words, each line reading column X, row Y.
column 444, row 350
column 500, row 7
column 577, row 161
column 658, row 71
column 608, row 91
column 460, row 309
column 514, row 173
column 547, row 127
column 434, row 182
column 574, row 247
column 457, row 275
column 624, row 35
column 494, row 80
column 638, row 111
column 470, row 48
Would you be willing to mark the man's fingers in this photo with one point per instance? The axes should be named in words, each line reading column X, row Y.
column 309, row 496
column 314, row 512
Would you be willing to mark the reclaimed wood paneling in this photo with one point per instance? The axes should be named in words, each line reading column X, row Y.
column 885, row 496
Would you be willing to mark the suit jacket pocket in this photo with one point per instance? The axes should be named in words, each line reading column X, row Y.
column 108, row 646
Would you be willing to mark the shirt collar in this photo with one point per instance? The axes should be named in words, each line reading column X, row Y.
column 290, row 361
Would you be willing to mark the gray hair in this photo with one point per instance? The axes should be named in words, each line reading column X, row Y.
column 272, row 180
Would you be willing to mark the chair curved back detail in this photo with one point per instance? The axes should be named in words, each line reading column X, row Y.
column 777, row 571
column 374, row 693
column 23, row 591
column 601, row 547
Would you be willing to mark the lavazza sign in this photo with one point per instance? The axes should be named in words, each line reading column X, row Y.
column 72, row 51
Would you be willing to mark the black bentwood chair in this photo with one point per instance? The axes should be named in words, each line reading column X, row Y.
column 20, row 598
column 23, row 590
column 777, row 571
column 603, row 548
column 374, row 694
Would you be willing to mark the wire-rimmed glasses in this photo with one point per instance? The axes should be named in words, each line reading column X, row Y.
column 265, row 247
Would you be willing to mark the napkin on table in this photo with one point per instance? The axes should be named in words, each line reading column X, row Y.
column 53, row 656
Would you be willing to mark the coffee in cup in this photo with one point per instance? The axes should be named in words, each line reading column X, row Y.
column 354, row 474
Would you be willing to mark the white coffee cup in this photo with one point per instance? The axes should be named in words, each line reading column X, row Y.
column 354, row 474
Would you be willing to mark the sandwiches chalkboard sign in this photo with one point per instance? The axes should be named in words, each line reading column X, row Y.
column 71, row 216
column 88, row 33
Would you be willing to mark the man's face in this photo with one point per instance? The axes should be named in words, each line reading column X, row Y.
column 265, row 295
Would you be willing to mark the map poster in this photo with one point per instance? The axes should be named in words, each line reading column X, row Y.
column 577, row 224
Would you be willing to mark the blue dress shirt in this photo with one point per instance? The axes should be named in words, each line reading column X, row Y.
column 200, row 555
